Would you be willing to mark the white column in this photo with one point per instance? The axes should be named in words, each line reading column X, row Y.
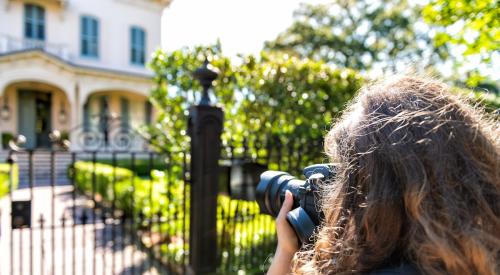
column 75, row 126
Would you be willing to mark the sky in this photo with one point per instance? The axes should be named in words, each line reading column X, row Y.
column 241, row 25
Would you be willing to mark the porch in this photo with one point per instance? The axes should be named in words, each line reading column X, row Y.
column 94, row 110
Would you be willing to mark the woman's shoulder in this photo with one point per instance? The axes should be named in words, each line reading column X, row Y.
column 404, row 268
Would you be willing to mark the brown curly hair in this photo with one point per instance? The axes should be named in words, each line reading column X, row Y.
column 418, row 182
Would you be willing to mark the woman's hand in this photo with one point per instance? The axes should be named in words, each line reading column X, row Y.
column 288, row 243
column 287, row 239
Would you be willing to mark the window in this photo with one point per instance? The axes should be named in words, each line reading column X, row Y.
column 34, row 22
column 137, row 46
column 89, row 36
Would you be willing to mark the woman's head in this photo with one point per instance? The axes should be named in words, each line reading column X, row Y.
column 419, row 181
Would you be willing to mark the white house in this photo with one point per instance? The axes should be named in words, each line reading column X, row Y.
column 62, row 62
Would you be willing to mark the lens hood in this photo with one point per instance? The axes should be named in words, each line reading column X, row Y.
column 263, row 188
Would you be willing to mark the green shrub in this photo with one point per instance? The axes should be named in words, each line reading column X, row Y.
column 142, row 167
column 242, row 230
column 150, row 196
column 4, row 178
column 6, row 137
column 247, row 237
column 105, row 177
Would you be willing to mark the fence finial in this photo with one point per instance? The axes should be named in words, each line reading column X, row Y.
column 205, row 74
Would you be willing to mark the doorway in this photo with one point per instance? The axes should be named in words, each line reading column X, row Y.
column 35, row 109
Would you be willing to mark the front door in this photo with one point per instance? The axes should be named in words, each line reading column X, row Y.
column 35, row 118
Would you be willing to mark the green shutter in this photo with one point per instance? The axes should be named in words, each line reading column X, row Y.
column 103, row 113
column 86, row 116
column 125, row 114
column 137, row 46
column 89, row 36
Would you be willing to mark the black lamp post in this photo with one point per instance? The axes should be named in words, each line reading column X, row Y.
column 5, row 111
column 63, row 116
column 205, row 74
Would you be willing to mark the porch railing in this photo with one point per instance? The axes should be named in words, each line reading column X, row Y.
column 10, row 44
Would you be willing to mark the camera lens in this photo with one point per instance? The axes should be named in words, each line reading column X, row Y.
column 305, row 215
column 302, row 224
column 270, row 192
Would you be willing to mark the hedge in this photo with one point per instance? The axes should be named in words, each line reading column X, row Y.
column 142, row 167
column 4, row 178
column 239, row 223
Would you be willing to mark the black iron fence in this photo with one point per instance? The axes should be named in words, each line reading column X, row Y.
column 95, row 213
column 247, row 237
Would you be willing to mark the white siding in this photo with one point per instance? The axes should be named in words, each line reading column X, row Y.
column 115, row 20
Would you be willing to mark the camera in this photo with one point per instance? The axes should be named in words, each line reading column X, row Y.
column 305, row 215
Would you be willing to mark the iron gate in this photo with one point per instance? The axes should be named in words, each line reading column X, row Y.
column 100, row 211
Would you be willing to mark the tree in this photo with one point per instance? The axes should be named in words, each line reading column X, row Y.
column 272, row 95
column 477, row 24
column 473, row 28
column 174, row 92
column 293, row 97
column 359, row 34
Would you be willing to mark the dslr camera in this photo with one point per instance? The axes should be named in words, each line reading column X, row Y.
column 305, row 215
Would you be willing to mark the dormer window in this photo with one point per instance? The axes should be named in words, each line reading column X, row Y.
column 137, row 46
column 34, row 22
column 89, row 36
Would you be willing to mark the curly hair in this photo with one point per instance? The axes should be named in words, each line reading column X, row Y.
column 418, row 182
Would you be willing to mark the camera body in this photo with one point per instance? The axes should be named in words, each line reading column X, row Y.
column 305, row 215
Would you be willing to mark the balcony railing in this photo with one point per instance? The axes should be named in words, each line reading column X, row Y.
column 10, row 44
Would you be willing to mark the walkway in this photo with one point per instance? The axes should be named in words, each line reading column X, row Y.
column 66, row 245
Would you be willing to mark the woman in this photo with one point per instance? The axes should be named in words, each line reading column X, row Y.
column 417, row 190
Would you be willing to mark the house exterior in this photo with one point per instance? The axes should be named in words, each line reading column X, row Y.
column 77, row 66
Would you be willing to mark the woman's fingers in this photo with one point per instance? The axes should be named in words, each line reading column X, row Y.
column 288, row 242
column 286, row 207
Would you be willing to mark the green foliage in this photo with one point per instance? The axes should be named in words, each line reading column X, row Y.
column 272, row 94
column 142, row 167
column 240, row 226
column 110, row 183
column 160, row 195
column 6, row 137
column 247, row 238
column 360, row 34
column 175, row 88
column 477, row 22
column 5, row 178
column 291, row 97
column 149, row 196
column 472, row 28
column 489, row 101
